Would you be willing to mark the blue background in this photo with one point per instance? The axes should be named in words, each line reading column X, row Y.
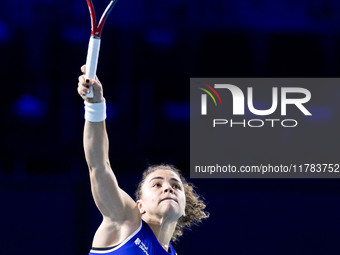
column 149, row 51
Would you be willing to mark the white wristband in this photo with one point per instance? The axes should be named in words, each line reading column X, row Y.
column 95, row 112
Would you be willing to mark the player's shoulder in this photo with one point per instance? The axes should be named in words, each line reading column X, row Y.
column 111, row 233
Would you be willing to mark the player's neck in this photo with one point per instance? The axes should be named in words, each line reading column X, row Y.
column 163, row 230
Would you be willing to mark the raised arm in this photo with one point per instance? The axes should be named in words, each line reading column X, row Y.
column 119, row 210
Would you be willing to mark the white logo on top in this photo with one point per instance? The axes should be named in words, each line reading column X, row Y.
column 141, row 245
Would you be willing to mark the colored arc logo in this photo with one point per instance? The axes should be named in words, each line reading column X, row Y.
column 209, row 93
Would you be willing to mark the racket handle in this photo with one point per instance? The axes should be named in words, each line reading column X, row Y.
column 92, row 61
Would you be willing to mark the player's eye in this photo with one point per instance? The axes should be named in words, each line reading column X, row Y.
column 176, row 186
column 156, row 185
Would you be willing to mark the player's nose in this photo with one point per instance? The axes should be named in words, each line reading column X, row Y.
column 168, row 188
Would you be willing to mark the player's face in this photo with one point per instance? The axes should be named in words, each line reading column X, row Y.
column 162, row 195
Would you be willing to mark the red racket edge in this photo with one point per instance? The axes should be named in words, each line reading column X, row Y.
column 92, row 16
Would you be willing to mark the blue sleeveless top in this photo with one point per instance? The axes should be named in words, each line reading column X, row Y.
column 141, row 242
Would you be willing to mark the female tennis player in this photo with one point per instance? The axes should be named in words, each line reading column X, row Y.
column 165, row 202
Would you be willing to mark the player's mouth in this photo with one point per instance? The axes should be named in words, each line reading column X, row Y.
column 168, row 198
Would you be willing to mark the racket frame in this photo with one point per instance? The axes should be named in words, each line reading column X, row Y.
column 94, row 43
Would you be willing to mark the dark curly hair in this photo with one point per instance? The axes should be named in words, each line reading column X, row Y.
column 194, row 208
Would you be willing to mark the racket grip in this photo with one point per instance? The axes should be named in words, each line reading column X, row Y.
column 92, row 61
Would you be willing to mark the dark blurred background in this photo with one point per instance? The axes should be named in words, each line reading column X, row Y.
column 149, row 51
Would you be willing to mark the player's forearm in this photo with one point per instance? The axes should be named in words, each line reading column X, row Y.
column 96, row 145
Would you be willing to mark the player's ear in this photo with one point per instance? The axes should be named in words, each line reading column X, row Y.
column 140, row 206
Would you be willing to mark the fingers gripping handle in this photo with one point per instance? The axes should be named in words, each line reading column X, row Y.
column 92, row 61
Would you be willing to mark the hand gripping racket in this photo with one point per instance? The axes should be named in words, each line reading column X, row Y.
column 94, row 44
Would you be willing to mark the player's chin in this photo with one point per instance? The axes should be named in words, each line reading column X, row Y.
column 171, row 211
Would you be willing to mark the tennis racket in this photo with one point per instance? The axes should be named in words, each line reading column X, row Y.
column 94, row 44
